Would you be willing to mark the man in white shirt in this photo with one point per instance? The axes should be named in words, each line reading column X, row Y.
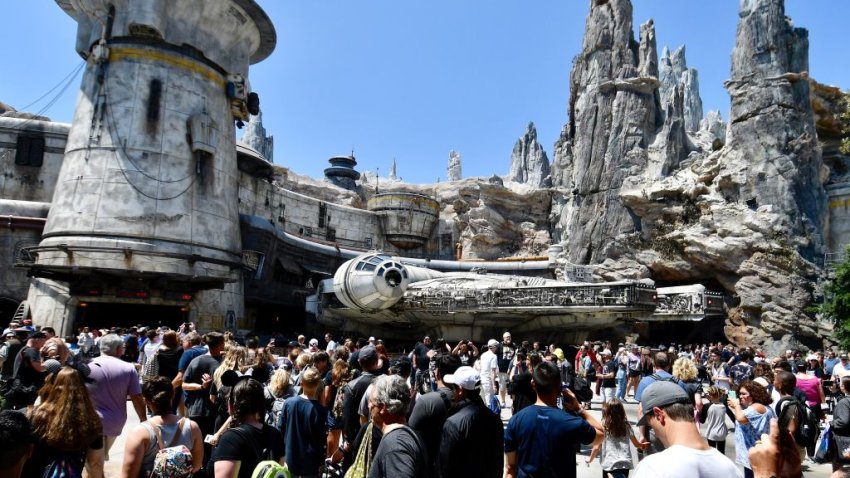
column 667, row 409
column 332, row 345
column 488, row 367
column 841, row 369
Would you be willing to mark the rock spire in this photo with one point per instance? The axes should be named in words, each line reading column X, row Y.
column 453, row 171
column 256, row 139
column 529, row 163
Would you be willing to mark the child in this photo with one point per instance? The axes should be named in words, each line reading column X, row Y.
column 615, row 454
column 714, row 428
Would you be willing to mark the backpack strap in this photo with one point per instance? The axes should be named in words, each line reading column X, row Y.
column 158, row 432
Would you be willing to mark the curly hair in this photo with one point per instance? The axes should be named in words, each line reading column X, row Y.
column 684, row 369
column 66, row 419
column 279, row 382
column 763, row 369
column 757, row 392
column 235, row 358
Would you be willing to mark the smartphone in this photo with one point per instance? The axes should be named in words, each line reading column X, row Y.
column 732, row 395
column 208, row 439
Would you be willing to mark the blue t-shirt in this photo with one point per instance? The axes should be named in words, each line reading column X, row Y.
column 304, row 435
column 544, row 440
column 188, row 355
column 829, row 364
column 649, row 380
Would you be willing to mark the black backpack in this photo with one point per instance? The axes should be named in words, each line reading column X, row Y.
column 808, row 426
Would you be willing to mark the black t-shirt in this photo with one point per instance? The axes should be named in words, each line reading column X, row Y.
column 249, row 446
column 427, row 418
column 401, row 453
column 504, row 356
column 198, row 403
column 23, row 367
column 168, row 359
column 421, row 353
column 609, row 367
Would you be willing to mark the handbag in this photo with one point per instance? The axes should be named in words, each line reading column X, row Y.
column 363, row 460
column 825, row 451
column 151, row 368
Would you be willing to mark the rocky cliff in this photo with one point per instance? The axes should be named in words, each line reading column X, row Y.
column 741, row 207
column 529, row 162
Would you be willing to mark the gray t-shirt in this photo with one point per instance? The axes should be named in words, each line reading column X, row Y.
column 714, row 428
column 401, row 454
column 616, row 452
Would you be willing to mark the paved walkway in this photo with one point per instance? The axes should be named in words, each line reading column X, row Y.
column 113, row 466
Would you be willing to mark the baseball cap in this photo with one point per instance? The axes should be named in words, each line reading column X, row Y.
column 38, row 335
column 843, row 357
column 811, row 357
column 314, row 342
column 367, row 353
column 464, row 377
column 660, row 394
column 492, row 343
column 605, row 352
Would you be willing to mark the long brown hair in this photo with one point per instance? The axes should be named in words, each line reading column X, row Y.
column 614, row 418
column 66, row 419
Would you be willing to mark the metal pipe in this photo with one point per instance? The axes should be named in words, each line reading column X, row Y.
column 23, row 222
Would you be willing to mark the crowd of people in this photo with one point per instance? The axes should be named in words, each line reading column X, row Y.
column 216, row 406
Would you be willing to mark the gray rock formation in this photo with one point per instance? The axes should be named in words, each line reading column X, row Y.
column 613, row 118
column 453, row 172
column 529, row 163
column 772, row 155
column 256, row 139
column 673, row 71
column 646, row 193
column 711, row 135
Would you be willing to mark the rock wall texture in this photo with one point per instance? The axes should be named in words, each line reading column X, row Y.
column 529, row 162
column 652, row 189
column 453, row 171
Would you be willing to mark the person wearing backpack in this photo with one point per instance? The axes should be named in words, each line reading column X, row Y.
column 788, row 409
column 248, row 443
column 164, row 434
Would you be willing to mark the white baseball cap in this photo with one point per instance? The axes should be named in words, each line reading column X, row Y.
column 492, row 343
column 464, row 377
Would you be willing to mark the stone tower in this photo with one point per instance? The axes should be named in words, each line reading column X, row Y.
column 145, row 207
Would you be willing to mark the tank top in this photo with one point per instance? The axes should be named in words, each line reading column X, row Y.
column 167, row 432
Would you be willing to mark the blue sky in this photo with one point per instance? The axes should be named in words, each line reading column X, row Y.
column 412, row 80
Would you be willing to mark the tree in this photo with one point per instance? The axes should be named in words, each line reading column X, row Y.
column 836, row 306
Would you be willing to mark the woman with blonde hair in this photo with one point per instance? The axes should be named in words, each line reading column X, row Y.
column 685, row 373
column 66, row 428
column 235, row 357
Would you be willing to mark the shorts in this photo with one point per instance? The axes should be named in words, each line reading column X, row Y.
column 333, row 423
column 503, row 379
